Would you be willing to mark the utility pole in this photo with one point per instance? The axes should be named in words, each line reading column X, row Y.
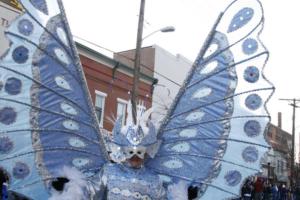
column 137, row 61
column 294, row 105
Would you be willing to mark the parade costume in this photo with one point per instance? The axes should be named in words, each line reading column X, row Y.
column 212, row 138
column 120, row 180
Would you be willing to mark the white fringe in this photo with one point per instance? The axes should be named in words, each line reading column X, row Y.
column 178, row 191
column 74, row 189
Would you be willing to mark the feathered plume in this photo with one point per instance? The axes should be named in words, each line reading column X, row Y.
column 74, row 189
column 178, row 191
column 129, row 120
column 142, row 121
column 142, row 118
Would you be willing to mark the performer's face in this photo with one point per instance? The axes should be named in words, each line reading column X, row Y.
column 136, row 162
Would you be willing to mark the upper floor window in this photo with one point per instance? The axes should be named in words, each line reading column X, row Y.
column 121, row 109
column 99, row 106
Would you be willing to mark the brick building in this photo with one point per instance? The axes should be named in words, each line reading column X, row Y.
column 110, row 83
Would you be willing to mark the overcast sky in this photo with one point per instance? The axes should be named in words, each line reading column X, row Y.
column 113, row 25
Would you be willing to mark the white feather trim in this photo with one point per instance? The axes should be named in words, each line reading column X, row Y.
column 74, row 189
column 129, row 120
column 178, row 191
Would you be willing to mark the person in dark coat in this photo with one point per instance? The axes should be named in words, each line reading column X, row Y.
column 267, row 191
column 247, row 191
column 283, row 193
column 3, row 185
column 297, row 193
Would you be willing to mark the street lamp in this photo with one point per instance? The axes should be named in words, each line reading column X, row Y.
column 163, row 30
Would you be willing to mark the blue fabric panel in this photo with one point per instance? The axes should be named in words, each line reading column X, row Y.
column 194, row 136
column 59, row 86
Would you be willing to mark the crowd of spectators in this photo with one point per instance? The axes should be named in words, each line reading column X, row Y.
column 262, row 189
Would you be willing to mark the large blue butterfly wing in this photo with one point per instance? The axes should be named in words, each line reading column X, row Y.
column 47, row 120
column 213, row 136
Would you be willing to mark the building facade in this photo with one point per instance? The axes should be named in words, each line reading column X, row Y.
column 9, row 10
column 110, row 82
column 169, row 70
column 276, row 164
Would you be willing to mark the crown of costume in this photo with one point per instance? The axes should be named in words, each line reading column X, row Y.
column 134, row 139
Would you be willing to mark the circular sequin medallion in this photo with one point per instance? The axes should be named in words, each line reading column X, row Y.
column 233, row 178
column 252, row 128
column 6, row 145
column 7, row 115
column 250, row 154
column 250, row 46
column 253, row 101
column 13, row 86
column 251, row 74
column 25, row 27
column 20, row 54
column 20, row 170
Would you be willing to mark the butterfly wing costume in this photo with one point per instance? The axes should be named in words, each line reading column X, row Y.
column 212, row 137
column 46, row 117
column 214, row 134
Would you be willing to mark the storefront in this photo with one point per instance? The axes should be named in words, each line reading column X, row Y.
column 9, row 10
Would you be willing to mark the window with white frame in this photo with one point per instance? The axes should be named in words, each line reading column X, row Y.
column 99, row 106
column 121, row 109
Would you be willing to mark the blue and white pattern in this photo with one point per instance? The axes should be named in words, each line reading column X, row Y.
column 251, row 74
column 217, row 139
column 46, row 117
column 214, row 142
column 25, row 27
column 6, row 145
column 126, row 183
column 240, row 19
column 233, row 178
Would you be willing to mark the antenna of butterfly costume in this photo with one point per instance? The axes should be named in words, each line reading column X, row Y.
column 212, row 138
